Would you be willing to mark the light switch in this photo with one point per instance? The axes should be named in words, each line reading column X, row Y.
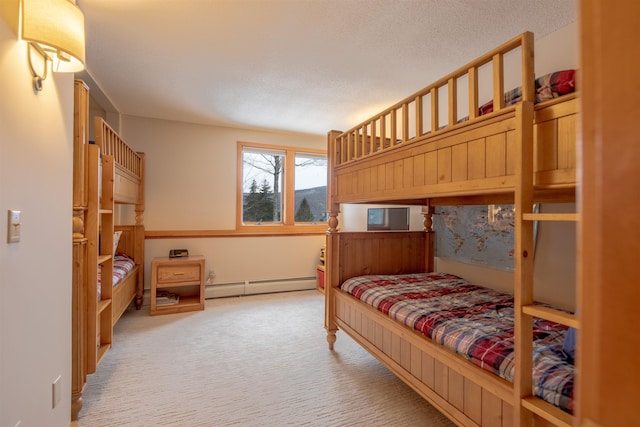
column 13, row 227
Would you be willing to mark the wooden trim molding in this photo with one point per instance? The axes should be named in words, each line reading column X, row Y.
column 258, row 231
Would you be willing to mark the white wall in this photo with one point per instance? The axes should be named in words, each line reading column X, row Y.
column 36, row 144
column 191, row 185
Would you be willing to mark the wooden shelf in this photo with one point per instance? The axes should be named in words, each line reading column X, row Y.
column 551, row 314
column 549, row 412
column 102, row 351
column 570, row 217
column 187, row 303
column 103, row 304
column 99, row 230
column 103, row 258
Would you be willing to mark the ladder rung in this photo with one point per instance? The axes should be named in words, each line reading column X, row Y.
column 550, row 217
column 551, row 314
column 547, row 411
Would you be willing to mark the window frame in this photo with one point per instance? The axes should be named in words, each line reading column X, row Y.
column 288, row 224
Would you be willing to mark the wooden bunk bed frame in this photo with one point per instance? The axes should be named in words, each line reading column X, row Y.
column 516, row 154
column 107, row 173
column 128, row 188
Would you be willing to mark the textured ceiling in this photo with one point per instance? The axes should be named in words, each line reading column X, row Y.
column 294, row 65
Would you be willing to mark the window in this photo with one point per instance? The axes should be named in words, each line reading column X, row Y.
column 281, row 187
column 387, row 219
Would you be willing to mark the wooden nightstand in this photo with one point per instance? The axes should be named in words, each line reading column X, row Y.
column 320, row 277
column 180, row 277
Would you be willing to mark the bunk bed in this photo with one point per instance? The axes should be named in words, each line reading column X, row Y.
column 122, row 184
column 511, row 150
column 108, row 258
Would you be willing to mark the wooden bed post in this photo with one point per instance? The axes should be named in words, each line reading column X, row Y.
column 332, row 279
column 427, row 212
column 332, row 252
column 139, row 235
column 80, row 139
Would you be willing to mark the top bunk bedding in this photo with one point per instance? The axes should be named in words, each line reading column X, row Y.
column 475, row 322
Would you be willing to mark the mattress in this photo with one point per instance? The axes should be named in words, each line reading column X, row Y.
column 473, row 321
column 122, row 265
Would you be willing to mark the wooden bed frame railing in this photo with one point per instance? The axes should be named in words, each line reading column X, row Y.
column 405, row 121
column 111, row 144
column 129, row 184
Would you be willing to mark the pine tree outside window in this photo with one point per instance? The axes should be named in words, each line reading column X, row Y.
column 281, row 189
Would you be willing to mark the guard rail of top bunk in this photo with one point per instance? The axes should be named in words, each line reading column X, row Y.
column 394, row 126
column 111, row 144
column 129, row 166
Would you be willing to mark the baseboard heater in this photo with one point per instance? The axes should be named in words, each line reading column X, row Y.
column 221, row 290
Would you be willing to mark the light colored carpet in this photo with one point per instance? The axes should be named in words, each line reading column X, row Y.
column 259, row 360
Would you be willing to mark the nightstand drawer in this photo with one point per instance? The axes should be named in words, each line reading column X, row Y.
column 179, row 273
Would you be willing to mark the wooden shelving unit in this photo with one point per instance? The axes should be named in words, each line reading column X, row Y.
column 527, row 406
column 183, row 277
column 100, row 223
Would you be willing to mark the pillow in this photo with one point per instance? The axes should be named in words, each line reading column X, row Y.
column 116, row 240
column 569, row 345
column 555, row 84
column 549, row 86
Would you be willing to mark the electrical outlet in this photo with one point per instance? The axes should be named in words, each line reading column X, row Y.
column 56, row 391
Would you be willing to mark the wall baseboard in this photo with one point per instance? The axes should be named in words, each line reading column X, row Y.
column 259, row 287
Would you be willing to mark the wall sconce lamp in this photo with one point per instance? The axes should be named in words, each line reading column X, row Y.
column 54, row 30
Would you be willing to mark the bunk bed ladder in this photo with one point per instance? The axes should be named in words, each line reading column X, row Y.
column 527, row 406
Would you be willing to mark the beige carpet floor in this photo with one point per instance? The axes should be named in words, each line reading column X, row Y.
column 245, row 361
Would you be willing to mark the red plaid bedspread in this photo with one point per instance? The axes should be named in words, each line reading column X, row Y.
column 473, row 321
column 122, row 265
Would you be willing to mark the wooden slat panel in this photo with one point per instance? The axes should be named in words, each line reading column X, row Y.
column 477, row 159
column 496, row 155
column 444, row 165
column 418, row 170
column 492, row 410
column 416, row 362
column 456, row 390
column 360, row 182
column 398, row 174
column 379, row 336
column 396, row 349
column 373, row 179
column 386, row 342
column 459, row 162
column 382, row 183
column 390, row 176
column 366, row 180
column 507, row 414
column 431, row 168
column 441, row 379
column 511, row 153
column 567, row 137
column 545, row 151
column 428, row 370
column 405, row 354
column 407, row 178
column 472, row 401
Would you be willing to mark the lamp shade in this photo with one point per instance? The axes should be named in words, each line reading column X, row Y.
column 56, row 25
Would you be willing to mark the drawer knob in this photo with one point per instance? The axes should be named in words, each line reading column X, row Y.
column 178, row 274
